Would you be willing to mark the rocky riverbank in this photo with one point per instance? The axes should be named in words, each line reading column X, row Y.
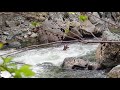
column 20, row 29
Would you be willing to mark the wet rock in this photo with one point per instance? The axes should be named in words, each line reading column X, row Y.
column 79, row 67
column 108, row 54
column 14, row 44
column 93, row 66
column 114, row 72
column 47, row 65
column 73, row 63
column 90, row 56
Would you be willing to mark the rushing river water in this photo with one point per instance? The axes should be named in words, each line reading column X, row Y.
column 54, row 55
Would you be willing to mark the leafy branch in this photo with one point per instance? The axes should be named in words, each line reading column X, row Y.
column 12, row 68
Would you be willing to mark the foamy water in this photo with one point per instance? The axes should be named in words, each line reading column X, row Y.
column 54, row 55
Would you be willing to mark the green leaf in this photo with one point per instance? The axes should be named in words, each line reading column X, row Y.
column 11, row 70
column 35, row 24
column 7, row 59
column 2, row 69
column 17, row 74
column 83, row 18
column 1, row 45
column 25, row 70
column 67, row 31
column 12, row 64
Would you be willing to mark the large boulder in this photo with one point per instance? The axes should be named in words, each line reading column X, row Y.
column 114, row 72
column 73, row 63
column 108, row 54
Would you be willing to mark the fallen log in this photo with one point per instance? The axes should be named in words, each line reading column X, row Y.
column 72, row 41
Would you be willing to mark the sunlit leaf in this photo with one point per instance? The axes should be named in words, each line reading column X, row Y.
column 35, row 24
column 67, row 31
column 25, row 69
column 17, row 74
column 1, row 45
column 2, row 68
column 12, row 68
column 83, row 18
column 7, row 59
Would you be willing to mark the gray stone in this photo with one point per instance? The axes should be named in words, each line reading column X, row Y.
column 114, row 72
column 14, row 44
column 69, row 63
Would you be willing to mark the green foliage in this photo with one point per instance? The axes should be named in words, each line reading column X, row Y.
column 25, row 70
column 67, row 31
column 35, row 24
column 6, row 59
column 83, row 18
column 12, row 68
column 1, row 45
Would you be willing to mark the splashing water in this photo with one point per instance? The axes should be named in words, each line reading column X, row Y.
column 54, row 55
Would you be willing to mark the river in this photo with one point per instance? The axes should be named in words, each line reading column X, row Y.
column 53, row 57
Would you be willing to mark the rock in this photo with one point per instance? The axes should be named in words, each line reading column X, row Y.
column 73, row 63
column 14, row 23
column 108, row 54
column 43, row 39
column 51, row 26
column 87, row 28
column 74, row 27
column 47, row 65
column 93, row 66
column 99, row 28
column 94, row 18
column 78, row 67
column 33, row 35
column 114, row 72
column 52, row 38
column 14, row 44
column 46, row 35
column 90, row 56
